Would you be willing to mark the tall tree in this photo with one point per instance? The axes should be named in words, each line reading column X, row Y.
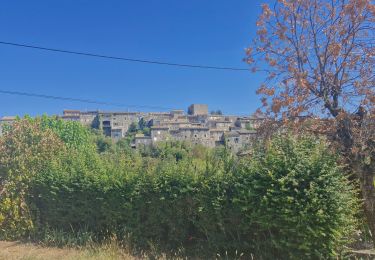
column 318, row 57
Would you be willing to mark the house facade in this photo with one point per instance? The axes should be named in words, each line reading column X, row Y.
column 196, row 126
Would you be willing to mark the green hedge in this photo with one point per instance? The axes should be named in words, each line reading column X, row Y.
column 290, row 200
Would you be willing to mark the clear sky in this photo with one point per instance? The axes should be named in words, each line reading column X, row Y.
column 195, row 31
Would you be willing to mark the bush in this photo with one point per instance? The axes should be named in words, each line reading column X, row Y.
column 72, row 133
column 299, row 204
column 25, row 150
column 290, row 201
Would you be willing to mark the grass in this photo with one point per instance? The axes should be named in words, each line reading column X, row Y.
column 112, row 251
column 28, row 251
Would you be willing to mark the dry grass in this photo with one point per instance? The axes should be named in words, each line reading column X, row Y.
column 18, row 250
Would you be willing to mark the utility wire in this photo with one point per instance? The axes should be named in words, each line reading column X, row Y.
column 89, row 101
column 123, row 58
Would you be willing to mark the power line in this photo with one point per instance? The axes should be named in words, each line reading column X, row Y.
column 89, row 101
column 123, row 58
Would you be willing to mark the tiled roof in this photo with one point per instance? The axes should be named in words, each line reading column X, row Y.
column 8, row 118
column 245, row 131
column 195, row 128
column 232, row 134
column 216, row 130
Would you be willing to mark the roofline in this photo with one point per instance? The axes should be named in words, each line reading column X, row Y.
column 194, row 128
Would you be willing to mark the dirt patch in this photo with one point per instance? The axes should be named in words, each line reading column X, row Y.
column 18, row 250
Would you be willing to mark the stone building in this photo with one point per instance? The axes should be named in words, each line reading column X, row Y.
column 217, row 137
column 71, row 115
column 85, row 118
column 4, row 121
column 88, row 118
column 238, row 140
column 113, row 124
column 197, row 126
column 222, row 124
column 116, row 124
column 198, row 110
column 251, row 122
column 193, row 134
column 177, row 113
column 232, row 140
column 142, row 140
column 160, row 133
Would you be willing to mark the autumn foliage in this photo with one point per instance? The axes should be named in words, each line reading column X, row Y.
column 318, row 60
column 318, row 57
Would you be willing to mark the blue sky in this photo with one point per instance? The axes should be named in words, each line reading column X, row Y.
column 195, row 31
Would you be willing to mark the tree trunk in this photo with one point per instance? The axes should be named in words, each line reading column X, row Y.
column 366, row 176
column 347, row 132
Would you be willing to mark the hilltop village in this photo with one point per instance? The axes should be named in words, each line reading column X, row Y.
column 197, row 126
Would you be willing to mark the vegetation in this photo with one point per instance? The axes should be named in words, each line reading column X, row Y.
column 319, row 61
column 107, row 251
column 248, row 126
column 216, row 112
column 290, row 200
column 293, row 197
column 25, row 151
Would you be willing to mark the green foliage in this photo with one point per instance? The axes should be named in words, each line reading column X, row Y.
column 142, row 124
column 248, row 126
column 289, row 201
column 96, row 123
column 72, row 133
column 59, row 238
column 124, row 145
column 133, row 128
column 146, row 131
column 142, row 128
column 300, row 202
column 217, row 112
column 25, row 150
column 104, row 144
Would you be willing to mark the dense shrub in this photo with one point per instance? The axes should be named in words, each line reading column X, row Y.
column 72, row 133
column 25, row 150
column 290, row 201
column 299, row 202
